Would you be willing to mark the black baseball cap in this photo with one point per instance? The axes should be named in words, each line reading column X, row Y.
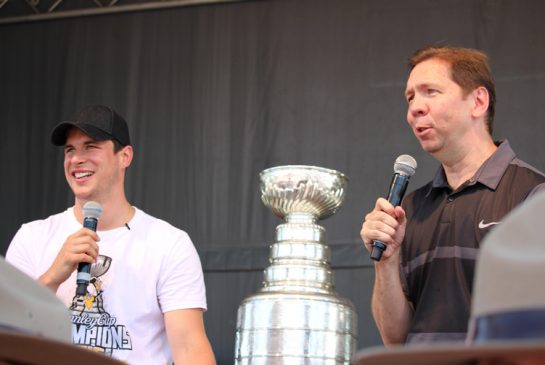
column 99, row 122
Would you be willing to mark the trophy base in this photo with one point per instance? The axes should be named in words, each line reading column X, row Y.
column 295, row 328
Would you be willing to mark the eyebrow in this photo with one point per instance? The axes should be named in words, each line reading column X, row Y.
column 420, row 86
column 86, row 143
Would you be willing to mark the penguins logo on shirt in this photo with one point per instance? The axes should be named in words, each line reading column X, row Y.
column 92, row 326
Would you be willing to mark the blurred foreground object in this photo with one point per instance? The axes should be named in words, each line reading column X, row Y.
column 35, row 326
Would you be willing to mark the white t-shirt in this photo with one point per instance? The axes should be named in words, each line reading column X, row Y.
column 141, row 273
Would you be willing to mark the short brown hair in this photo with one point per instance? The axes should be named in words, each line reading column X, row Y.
column 469, row 69
column 117, row 145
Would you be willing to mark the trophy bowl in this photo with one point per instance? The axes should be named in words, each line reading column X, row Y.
column 101, row 266
column 302, row 189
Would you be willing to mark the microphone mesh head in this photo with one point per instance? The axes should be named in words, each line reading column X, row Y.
column 92, row 210
column 405, row 165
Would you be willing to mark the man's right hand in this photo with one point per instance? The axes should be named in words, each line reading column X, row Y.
column 79, row 247
column 384, row 223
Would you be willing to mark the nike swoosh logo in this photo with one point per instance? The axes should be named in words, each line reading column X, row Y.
column 483, row 225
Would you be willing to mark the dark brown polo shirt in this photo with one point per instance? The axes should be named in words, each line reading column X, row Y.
column 442, row 239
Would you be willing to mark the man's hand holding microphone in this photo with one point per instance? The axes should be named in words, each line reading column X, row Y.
column 384, row 227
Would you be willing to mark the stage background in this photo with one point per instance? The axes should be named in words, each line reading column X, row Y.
column 214, row 94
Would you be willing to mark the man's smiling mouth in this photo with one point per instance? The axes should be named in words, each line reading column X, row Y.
column 79, row 175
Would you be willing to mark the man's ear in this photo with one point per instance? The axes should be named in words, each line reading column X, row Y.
column 481, row 100
column 125, row 155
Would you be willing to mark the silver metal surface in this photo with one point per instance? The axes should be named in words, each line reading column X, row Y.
column 295, row 328
column 300, row 250
column 405, row 165
column 302, row 189
column 297, row 317
column 300, row 232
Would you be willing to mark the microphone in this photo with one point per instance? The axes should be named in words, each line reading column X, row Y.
column 404, row 168
column 91, row 212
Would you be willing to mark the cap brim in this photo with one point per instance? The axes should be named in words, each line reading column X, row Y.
column 21, row 349
column 446, row 354
column 58, row 136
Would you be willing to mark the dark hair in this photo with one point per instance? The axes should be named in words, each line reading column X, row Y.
column 117, row 145
column 469, row 69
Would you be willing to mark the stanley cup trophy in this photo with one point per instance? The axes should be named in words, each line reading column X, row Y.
column 297, row 318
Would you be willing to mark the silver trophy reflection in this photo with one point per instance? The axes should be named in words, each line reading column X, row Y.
column 297, row 317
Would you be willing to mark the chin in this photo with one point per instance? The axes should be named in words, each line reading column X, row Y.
column 83, row 195
column 430, row 147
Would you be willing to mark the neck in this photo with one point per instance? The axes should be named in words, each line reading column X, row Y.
column 114, row 214
column 462, row 166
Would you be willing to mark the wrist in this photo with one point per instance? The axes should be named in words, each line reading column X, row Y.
column 49, row 282
column 388, row 263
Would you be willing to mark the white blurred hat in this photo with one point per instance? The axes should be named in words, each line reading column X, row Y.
column 30, row 308
column 35, row 326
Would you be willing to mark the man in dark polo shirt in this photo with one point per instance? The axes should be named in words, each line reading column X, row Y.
column 423, row 283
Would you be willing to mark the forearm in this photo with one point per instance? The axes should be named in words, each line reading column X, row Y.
column 195, row 354
column 391, row 310
column 187, row 338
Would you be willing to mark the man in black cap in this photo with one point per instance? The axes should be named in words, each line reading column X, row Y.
column 146, row 294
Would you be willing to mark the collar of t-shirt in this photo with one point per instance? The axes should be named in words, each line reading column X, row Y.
column 489, row 174
column 115, row 231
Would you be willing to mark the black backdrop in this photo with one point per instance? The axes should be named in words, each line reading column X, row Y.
column 214, row 94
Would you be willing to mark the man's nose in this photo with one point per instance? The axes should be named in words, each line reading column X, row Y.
column 417, row 107
column 77, row 156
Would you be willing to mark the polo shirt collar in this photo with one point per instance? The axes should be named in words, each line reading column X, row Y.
column 490, row 172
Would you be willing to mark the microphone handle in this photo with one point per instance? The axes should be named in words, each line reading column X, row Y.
column 84, row 268
column 398, row 186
